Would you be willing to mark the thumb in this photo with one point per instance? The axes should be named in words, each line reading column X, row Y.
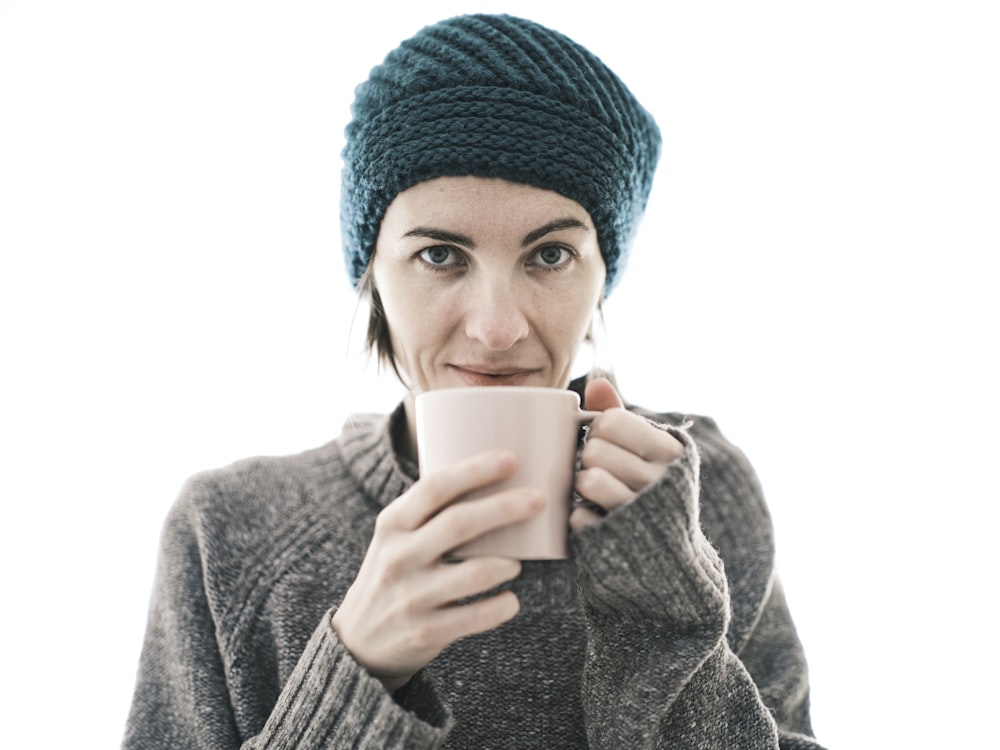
column 600, row 395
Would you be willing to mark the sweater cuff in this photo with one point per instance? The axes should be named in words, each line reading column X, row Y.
column 331, row 701
column 649, row 559
column 420, row 697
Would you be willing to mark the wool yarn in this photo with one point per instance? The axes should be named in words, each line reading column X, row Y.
column 497, row 96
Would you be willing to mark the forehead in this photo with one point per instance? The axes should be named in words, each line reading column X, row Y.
column 479, row 200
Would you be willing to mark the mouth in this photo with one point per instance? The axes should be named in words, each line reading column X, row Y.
column 478, row 375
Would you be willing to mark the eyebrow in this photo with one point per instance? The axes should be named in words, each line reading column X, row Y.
column 441, row 236
column 552, row 226
column 460, row 239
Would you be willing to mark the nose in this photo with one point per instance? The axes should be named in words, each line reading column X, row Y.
column 496, row 315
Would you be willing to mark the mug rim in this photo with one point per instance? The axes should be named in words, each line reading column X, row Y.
column 497, row 390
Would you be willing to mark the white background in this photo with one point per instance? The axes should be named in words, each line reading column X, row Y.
column 816, row 271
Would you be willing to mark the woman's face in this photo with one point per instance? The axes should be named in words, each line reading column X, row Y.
column 486, row 282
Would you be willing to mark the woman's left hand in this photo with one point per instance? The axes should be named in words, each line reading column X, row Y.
column 623, row 454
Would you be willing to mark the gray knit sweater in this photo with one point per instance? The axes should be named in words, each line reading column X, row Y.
column 641, row 640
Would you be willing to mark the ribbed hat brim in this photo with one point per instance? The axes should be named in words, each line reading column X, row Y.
column 489, row 132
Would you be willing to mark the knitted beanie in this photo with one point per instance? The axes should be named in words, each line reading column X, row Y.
column 497, row 96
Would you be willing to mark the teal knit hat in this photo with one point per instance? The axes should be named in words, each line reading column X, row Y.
column 497, row 96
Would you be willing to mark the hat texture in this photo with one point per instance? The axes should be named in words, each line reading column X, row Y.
column 497, row 96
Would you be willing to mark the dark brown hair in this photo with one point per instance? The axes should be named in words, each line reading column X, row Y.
column 378, row 340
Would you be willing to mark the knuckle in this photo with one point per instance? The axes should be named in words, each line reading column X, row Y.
column 675, row 448
column 592, row 450
column 664, row 439
column 461, row 521
column 586, row 481
column 433, row 483
column 669, row 450
column 384, row 522
column 591, row 480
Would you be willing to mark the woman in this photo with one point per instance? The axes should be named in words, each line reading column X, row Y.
column 494, row 174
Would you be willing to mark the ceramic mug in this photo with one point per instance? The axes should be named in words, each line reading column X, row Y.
column 540, row 426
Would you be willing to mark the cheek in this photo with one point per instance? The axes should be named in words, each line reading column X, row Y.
column 414, row 319
column 566, row 325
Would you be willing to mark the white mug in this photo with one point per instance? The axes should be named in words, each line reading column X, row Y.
column 539, row 425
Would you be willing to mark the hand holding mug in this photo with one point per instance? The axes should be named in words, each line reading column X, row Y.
column 623, row 455
column 401, row 610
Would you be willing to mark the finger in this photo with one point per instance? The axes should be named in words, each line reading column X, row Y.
column 436, row 490
column 600, row 394
column 483, row 614
column 582, row 517
column 622, row 464
column 466, row 520
column 450, row 583
column 599, row 486
column 636, row 435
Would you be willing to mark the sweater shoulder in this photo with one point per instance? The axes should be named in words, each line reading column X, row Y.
column 266, row 489
column 247, row 524
column 728, row 481
column 259, row 489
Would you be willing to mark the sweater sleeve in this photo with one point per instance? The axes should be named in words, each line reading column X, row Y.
column 182, row 697
column 660, row 670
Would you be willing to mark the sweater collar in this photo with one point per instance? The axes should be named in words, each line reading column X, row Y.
column 367, row 447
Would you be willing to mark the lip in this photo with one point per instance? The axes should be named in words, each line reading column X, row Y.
column 479, row 375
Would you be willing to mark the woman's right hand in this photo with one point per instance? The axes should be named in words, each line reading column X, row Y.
column 401, row 610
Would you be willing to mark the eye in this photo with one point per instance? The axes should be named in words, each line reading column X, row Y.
column 552, row 257
column 440, row 257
